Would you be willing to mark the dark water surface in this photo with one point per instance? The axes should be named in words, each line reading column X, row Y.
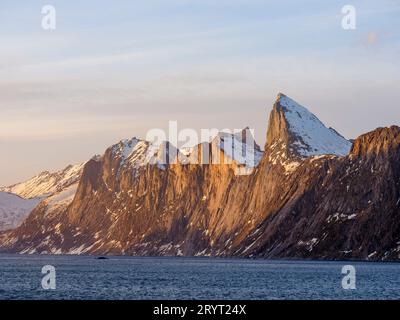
column 85, row 277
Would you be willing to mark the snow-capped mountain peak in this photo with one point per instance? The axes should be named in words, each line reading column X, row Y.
column 302, row 132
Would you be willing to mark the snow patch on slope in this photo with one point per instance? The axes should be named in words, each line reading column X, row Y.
column 61, row 199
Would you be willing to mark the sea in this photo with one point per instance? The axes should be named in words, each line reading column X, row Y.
column 69, row 277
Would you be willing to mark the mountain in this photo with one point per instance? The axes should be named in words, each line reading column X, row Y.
column 294, row 134
column 343, row 208
column 17, row 201
column 46, row 183
column 301, row 133
column 14, row 210
column 311, row 194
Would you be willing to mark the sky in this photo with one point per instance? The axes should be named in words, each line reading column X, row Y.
column 116, row 69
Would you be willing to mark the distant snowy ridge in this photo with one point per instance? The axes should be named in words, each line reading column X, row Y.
column 14, row 210
column 18, row 201
column 46, row 183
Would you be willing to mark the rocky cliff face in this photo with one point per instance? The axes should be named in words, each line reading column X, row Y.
column 343, row 208
column 305, row 196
